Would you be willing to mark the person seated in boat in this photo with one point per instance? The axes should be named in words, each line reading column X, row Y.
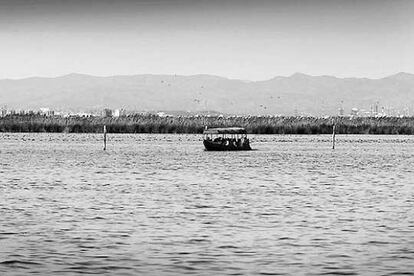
column 239, row 143
column 229, row 142
column 246, row 142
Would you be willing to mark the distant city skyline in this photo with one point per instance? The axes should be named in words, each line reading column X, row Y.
column 251, row 40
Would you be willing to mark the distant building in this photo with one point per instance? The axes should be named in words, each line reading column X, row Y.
column 354, row 111
column 341, row 111
column 376, row 111
column 107, row 112
column 59, row 113
column 84, row 114
column 119, row 112
column 162, row 114
column 46, row 111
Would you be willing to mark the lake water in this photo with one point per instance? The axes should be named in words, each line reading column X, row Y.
column 160, row 205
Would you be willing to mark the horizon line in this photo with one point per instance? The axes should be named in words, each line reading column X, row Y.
column 200, row 74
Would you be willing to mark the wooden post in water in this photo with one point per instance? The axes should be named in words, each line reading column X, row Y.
column 333, row 136
column 104, row 133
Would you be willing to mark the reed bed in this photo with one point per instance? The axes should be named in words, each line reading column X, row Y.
column 196, row 124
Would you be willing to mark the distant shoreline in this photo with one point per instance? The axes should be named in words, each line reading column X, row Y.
column 196, row 124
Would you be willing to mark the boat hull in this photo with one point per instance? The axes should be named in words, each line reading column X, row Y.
column 217, row 146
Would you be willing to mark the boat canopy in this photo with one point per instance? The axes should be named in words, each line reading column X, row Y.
column 225, row 130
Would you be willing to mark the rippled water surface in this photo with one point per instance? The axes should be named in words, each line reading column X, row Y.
column 160, row 205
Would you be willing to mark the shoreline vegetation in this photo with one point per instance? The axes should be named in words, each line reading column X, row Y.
column 195, row 124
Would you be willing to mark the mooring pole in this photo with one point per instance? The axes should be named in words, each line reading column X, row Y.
column 333, row 136
column 104, row 132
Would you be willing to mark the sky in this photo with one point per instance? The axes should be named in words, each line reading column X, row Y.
column 250, row 40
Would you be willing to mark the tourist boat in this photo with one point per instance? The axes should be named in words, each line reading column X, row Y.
column 226, row 139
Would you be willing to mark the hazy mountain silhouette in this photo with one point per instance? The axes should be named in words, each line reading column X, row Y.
column 315, row 95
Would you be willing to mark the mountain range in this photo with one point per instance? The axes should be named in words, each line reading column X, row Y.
column 296, row 94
